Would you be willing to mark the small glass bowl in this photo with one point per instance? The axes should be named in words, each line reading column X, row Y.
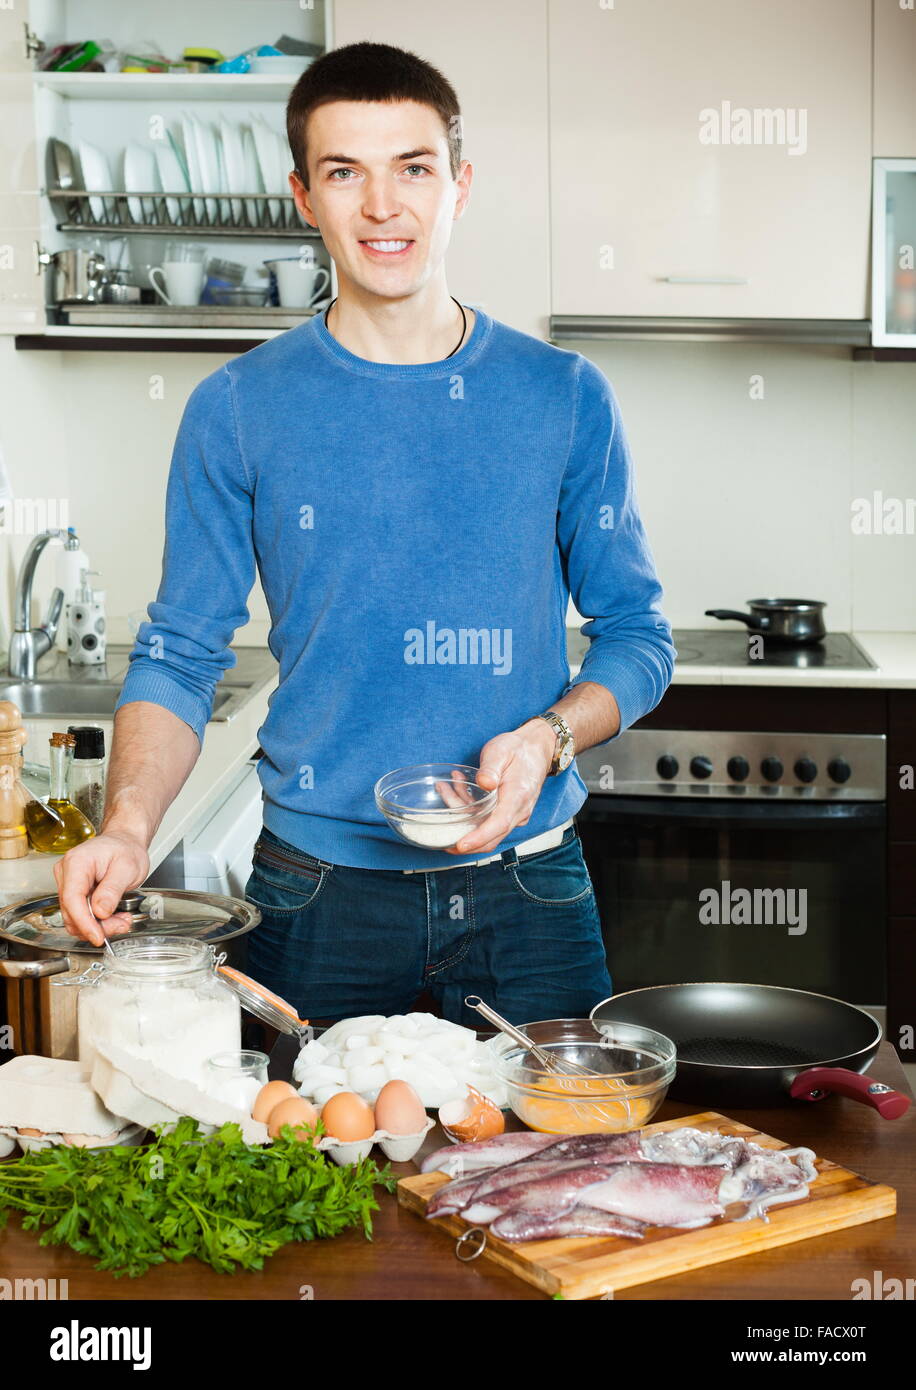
column 237, row 1077
column 434, row 804
column 635, row 1065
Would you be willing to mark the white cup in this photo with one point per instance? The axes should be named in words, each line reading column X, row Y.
column 299, row 283
column 183, row 281
column 182, row 271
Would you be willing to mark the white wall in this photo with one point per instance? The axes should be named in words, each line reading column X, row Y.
column 746, row 498
column 91, row 427
column 741, row 497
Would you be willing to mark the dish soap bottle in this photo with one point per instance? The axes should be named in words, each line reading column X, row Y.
column 74, row 826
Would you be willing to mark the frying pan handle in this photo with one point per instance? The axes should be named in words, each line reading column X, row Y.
column 755, row 623
column 817, row 1082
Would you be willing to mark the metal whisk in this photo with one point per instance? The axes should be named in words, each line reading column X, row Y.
column 546, row 1059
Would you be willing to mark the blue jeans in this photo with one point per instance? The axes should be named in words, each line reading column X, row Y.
column 523, row 933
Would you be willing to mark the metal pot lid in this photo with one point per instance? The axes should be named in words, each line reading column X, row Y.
column 37, row 922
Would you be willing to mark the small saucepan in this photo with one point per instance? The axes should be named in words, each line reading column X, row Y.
column 759, row 1045
column 790, row 621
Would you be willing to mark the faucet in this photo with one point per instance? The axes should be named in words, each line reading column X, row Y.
column 27, row 643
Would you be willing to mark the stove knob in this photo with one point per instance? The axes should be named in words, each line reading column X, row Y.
column 772, row 769
column 805, row 770
column 838, row 770
column 738, row 768
column 667, row 767
column 700, row 768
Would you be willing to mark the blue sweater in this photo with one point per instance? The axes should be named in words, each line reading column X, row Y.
column 418, row 530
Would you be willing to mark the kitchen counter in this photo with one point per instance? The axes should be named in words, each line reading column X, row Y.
column 409, row 1259
column 894, row 655
column 228, row 744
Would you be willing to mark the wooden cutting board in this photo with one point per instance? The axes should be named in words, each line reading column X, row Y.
column 595, row 1265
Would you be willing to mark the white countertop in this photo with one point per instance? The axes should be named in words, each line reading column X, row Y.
column 226, row 748
column 894, row 655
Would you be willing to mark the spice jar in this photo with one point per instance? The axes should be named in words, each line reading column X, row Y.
column 160, row 999
column 87, row 772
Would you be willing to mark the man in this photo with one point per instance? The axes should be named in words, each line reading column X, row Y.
column 421, row 488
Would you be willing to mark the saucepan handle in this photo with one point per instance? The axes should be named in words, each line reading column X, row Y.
column 817, row 1082
column 752, row 620
column 34, row 969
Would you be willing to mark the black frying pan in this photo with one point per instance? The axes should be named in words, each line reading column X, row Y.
column 752, row 1045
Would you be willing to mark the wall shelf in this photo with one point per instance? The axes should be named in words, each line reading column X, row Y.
column 177, row 86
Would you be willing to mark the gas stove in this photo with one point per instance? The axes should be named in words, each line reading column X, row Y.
column 729, row 647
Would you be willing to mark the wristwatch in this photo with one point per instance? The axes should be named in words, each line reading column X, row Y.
column 566, row 745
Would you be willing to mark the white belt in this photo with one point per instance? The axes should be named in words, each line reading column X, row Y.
column 548, row 839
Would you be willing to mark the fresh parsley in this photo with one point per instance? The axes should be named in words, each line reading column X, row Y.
column 228, row 1203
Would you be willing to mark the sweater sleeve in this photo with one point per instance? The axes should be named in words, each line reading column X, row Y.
column 207, row 568
column 608, row 565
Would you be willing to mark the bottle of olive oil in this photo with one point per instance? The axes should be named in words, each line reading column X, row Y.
column 73, row 826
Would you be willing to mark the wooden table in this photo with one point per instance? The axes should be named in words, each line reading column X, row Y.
column 410, row 1259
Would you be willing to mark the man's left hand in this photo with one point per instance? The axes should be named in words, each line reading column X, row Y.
column 518, row 763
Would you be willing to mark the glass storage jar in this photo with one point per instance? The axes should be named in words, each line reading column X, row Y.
column 160, row 999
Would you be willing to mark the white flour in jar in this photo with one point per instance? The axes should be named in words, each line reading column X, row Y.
column 435, row 834
column 177, row 1030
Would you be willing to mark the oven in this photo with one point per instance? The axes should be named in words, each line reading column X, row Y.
column 740, row 855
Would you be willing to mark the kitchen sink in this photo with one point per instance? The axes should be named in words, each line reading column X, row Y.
column 71, row 700
column 74, row 693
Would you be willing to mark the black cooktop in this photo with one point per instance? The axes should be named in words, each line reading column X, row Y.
column 727, row 646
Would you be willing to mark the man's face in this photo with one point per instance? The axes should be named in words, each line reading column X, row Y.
column 379, row 173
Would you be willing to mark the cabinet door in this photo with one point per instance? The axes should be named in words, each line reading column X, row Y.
column 895, row 80
column 710, row 157
column 21, row 286
column 495, row 56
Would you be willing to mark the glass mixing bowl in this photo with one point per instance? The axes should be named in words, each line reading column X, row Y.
column 635, row 1067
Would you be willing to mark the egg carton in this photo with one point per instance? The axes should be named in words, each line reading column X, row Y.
column 132, row 1136
column 398, row 1148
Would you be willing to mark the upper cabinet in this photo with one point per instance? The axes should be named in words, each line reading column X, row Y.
column 895, row 79
column 495, row 56
column 711, row 158
column 138, row 168
column 21, row 289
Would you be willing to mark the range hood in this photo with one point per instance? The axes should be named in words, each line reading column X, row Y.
column 826, row 332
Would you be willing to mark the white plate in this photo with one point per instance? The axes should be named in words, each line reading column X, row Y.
column 192, row 159
column 234, row 164
column 266, row 146
column 209, row 163
column 96, row 177
column 171, row 177
column 253, row 181
column 140, row 176
column 284, row 165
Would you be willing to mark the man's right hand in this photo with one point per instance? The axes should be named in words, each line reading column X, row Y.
column 95, row 875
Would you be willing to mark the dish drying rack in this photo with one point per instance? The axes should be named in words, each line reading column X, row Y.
column 200, row 214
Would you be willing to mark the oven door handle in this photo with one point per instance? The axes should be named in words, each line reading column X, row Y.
column 770, row 813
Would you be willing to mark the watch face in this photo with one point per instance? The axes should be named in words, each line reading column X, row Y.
column 567, row 753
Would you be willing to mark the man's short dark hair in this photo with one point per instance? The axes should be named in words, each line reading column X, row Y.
column 370, row 72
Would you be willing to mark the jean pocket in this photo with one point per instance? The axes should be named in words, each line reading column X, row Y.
column 282, row 884
column 556, row 878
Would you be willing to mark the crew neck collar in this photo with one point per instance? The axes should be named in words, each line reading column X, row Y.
column 406, row 371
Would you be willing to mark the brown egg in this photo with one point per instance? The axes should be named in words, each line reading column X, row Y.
column 399, row 1109
column 347, row 1117
column 269, row 1096
column 295, row 1111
